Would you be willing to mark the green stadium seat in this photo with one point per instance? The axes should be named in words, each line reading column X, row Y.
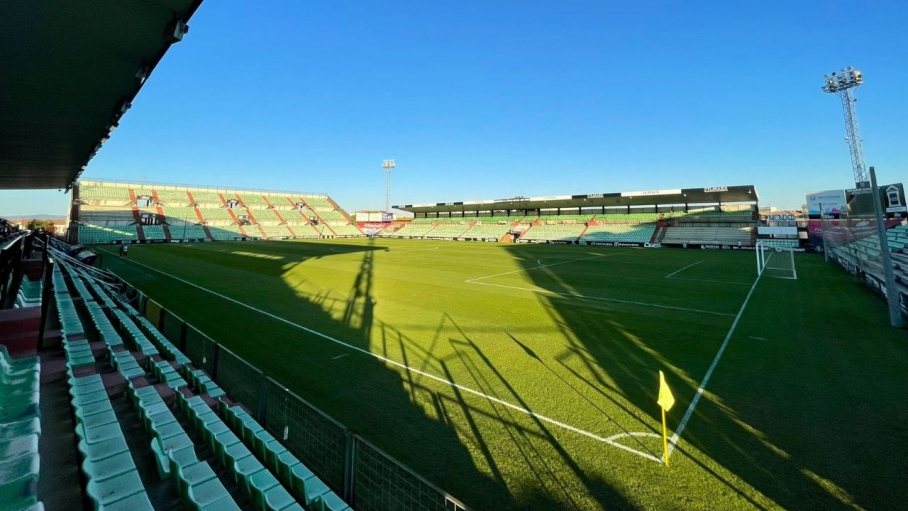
column 306, row 485
column 110, row 491
column 19, row 481
column 331, row 502
column 210, row 495
column 19, row 428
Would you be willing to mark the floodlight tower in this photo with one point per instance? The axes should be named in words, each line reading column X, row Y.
column 388, row 165
column 843, row 85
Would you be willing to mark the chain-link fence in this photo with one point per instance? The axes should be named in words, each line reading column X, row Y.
column 364, row 475
column 381, row 483
column 239, row 379
column 201, row 349
column 312, row 436
column 853, row 241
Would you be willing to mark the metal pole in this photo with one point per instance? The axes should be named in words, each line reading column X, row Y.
column 387, row 189
column 823, row 229
column 892, row 295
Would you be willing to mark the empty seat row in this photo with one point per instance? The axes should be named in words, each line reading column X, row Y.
column 175, row 454
column 113, row 482
column 248, row 473
column 305, row 485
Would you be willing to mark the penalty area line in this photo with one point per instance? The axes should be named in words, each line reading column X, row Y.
column 682, row 269
column 601, row 299
column 475, row 279
column 438, row 379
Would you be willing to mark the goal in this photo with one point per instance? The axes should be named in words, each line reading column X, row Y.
column 776, row 262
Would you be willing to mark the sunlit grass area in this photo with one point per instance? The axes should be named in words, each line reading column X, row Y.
column 525, row 376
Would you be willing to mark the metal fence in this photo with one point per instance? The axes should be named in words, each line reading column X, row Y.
column 367, row 477
column 311, row 435
column 381, row 483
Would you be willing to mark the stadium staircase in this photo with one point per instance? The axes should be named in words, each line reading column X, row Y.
column 232, row 214
column 321, row 221
column 154, row 196
column 223, row 200
column 192, row 200
column 268, row 202
column 163, row 219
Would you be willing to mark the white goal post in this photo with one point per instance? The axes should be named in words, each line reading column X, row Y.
column 776, row 262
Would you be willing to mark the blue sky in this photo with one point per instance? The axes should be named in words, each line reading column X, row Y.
column 481, row 100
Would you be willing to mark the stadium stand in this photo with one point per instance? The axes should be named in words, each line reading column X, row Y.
column 277, row 213
column 179, row 213
column 90, row 234
column 105, row 215
column 416, row 228
column 253, row 200
column 346, row 230
column 173, row 197
column 490, row 227
column 619, row 233
column 317, row 203
column 216, row 214
column 276, row 231
column 153, row 232
column 187, row 231
column 709, row 235
column 207, row 198
column 105, row 195
column 554, row 232
column 332, row 215
column 227, row 232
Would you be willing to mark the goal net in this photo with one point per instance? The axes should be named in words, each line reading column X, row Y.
column 776, row 262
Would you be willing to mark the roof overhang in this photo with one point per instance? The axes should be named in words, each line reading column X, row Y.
column 70, row 70
column 706, row 195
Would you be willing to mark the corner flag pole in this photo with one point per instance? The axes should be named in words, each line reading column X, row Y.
column 664, row 438
column 666, row 401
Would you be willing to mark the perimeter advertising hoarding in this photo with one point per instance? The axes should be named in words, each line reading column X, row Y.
column 829, row 203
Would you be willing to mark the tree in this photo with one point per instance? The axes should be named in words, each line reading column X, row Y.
column 36, row 224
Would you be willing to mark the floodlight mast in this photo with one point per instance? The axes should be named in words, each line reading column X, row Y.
column 843, row 85
column 388, row 165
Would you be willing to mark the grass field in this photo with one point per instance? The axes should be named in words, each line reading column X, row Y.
column 555, row 353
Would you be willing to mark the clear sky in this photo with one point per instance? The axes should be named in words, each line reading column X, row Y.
column 492, row 99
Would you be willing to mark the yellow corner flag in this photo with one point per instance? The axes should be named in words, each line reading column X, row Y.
column 666, row 401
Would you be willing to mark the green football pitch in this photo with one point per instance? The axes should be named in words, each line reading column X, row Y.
column 526, row 376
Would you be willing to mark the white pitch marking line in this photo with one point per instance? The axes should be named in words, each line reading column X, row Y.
column 502, row 402
column 758, row 338
column 708, row 280
column 340, row 356
column 473, row 280
column 575, row 295
column 682, row 269
column 613, row 440
column 673, row 441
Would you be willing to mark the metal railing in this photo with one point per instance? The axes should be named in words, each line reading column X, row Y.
column 368, row 478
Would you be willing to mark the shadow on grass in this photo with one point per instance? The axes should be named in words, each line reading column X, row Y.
column 789, row 415
column 432, row 427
